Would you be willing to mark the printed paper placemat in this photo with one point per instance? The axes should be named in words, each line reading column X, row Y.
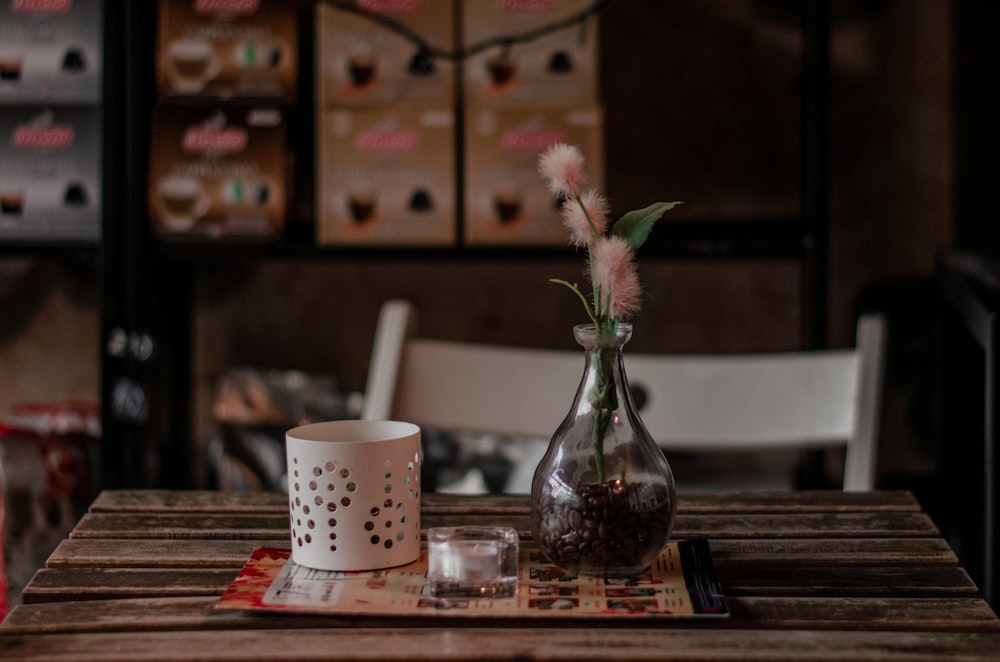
column 680, row 583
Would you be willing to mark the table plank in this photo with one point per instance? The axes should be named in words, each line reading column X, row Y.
column 67, row 584
column 832, row 552
column 741, row 553
column 576, row 644
column 203, row 526
column 899, row 614
column 158, row 553
column 705, row 502
column 205, row 501
column 747, row 525
column 244, row 526
column 190, row 501
column 846, row 581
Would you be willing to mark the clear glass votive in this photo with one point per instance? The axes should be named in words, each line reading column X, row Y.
column 472, row 561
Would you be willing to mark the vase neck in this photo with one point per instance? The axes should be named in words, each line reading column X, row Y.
column 591, row 337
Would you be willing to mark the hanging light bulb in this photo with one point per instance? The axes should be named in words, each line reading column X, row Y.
column 422, row 63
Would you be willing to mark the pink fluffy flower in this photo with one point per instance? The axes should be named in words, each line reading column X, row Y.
column 561, row 165
column 615, row 277
column 587, row 219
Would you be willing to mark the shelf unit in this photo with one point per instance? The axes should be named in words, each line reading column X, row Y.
column 967, row 370
column 92, row 254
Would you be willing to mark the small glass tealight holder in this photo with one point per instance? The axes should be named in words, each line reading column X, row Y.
column 472, row 561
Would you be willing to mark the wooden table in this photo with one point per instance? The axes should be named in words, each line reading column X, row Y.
column 808, row 575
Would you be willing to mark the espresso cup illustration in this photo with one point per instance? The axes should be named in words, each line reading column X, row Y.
column 560, row 63
column 193, row 61
column 361, row 68
column 507, row 205
column 421, row 200
column 75, row 195
column 362, row 206
column 73, row 61
column 501, row 69
column 10, row 69
column 182, row 198
column 11, row 203
column 270, row 55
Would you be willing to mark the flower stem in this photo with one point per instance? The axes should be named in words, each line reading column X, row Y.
column 586, row 214
column 576, row 290
column 603, row 400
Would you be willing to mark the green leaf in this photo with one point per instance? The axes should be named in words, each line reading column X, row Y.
column 635, row 226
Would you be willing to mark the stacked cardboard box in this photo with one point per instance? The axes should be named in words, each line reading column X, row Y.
column 386, row 125
column 520, row 98
column 384, row 137
column 362, row 63
column 51, row 76
column 227, row 72
column 506, row 201
column 556, row 67
column 215, row 172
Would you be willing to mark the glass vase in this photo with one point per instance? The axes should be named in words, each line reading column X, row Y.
column 602, row 498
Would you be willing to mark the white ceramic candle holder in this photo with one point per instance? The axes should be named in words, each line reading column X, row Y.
column 354, row 494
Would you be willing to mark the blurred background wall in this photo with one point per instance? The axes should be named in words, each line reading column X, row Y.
column 702, row 105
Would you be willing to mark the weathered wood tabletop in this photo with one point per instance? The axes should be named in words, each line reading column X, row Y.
column 807, row 575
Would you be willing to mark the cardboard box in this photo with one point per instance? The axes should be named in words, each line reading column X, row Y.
column 506, row 201
column 560, row 67
column 386, row 177
column 361, row 63
column 217, row 172
column 228, row 48
column 51, row 51
column 50, row 173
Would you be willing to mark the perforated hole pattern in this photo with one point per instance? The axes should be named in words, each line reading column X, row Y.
column 319, row 494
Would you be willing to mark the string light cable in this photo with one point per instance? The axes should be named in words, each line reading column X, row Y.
column 427, row 53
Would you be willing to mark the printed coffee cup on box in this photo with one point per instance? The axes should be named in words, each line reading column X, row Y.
column 507, row 205
column 560, row 63
column 182, row 199
column 10, row 69
column 420, row 200
column 194, row 63
column 501, row 69
column 73, row 61
column 362, row 69
column 75, row 195
column 11, row 203
column 362, row 205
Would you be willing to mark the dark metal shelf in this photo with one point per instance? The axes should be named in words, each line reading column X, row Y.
column 968, row 377
column 38, row 248
column 750, row 238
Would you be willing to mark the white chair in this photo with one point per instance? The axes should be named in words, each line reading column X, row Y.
column 789, row 400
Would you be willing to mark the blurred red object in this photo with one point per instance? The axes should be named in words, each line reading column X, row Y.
column 47, row 459
column 54, row 419
column 66, row 434
column 3, row 556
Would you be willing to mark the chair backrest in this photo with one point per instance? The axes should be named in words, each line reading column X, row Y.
column 796, row 399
